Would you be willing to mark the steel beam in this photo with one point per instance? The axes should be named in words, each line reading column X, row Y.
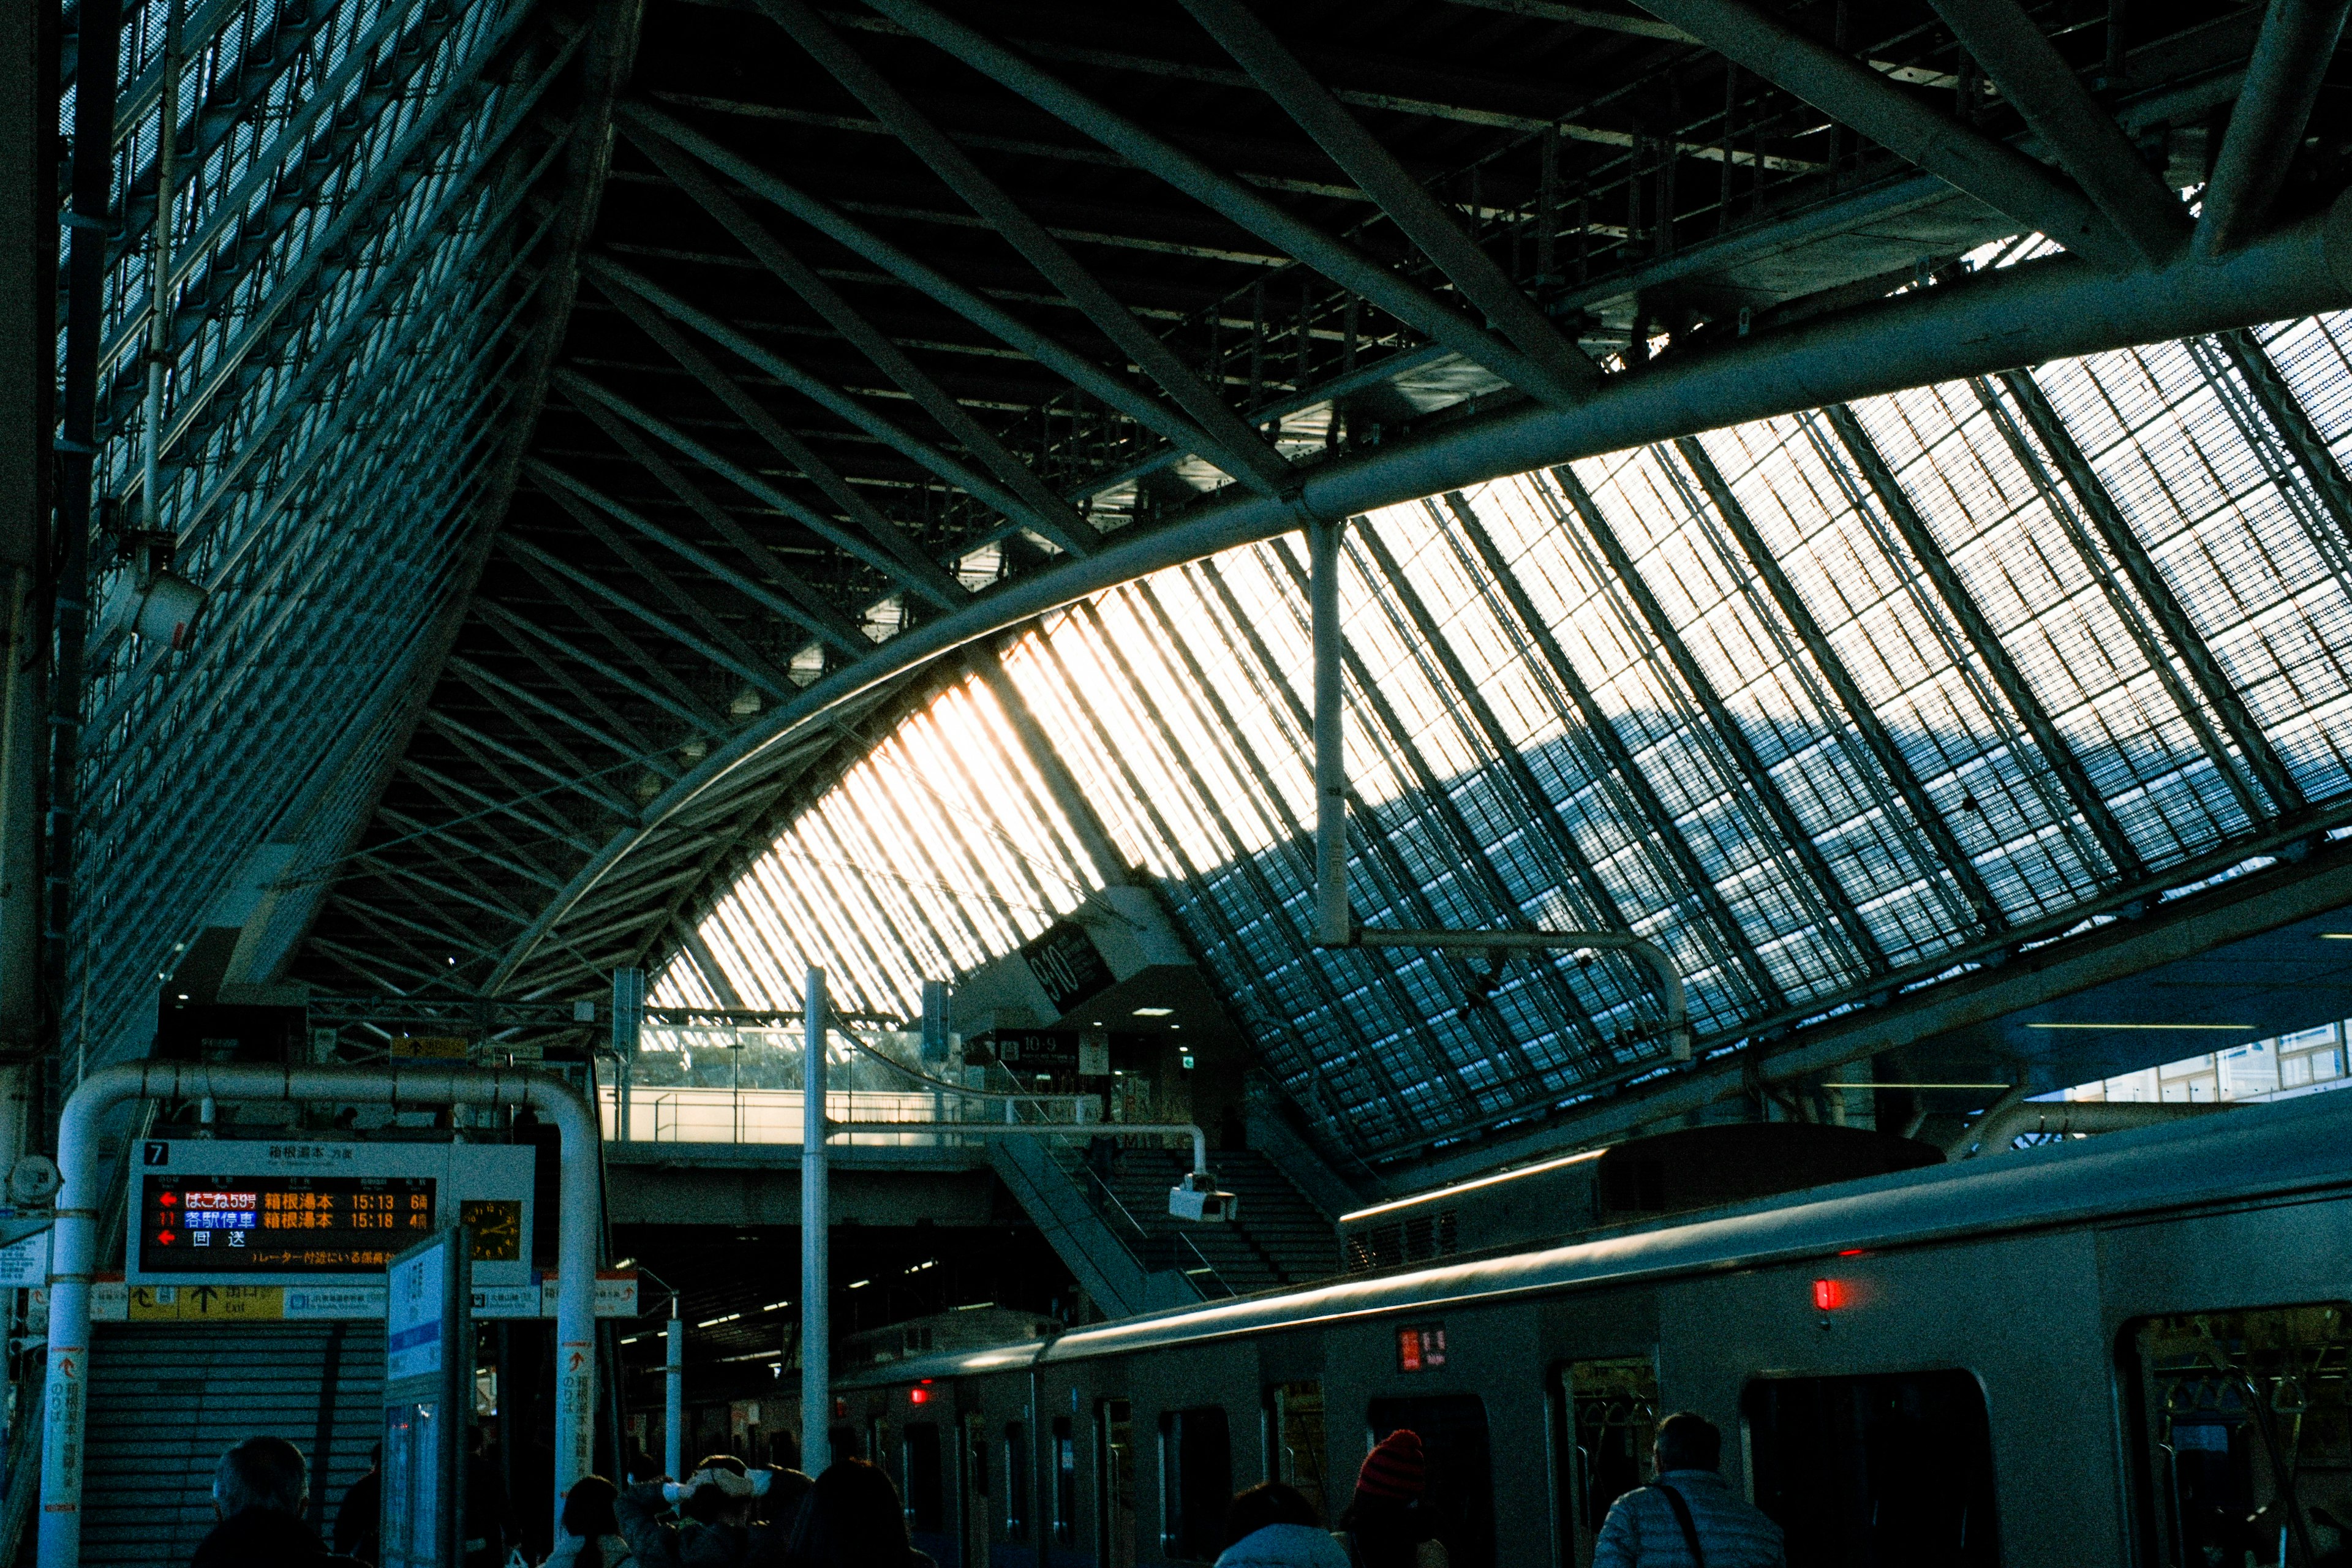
column 1239, row 450
column 1343, row 265
column 888, row 357
column 2052, row 307
column 1244, row 36
column 2036, row 82
column 2148, row 582
column 1947, row 854
column 1985, row 642
column 2292, row 56
column 990, row 318
column 1852, row 94
column 936, row 585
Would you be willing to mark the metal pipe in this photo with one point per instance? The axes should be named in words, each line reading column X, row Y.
column 1997, row 1130
column 2282, row 80
column 674, row 1395
column 2034, row 311
column 816, row 1370
column 83, row 1160
column 1334, row 919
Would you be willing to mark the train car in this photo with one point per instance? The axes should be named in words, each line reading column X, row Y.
column 2125, row 1349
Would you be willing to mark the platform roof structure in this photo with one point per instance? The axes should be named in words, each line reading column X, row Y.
column 1853, row 494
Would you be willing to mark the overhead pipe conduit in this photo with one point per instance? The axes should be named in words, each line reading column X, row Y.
column 2057, row 307
column 73, row 1259
column 2011, row 1119
column 1335, row 917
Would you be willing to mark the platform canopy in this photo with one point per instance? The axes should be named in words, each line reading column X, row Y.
column 1853, row 494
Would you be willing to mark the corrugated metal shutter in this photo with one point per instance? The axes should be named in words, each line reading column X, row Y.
column 166, row 1399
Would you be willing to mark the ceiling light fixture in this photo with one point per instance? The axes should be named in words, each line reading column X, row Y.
column 1153, row 1011
column 1868, row 1083
column 2335, row 936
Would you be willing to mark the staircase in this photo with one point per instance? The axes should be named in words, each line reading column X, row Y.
column 1280, row 1238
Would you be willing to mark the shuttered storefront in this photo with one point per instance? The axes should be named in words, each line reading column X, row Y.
column 165, row 1400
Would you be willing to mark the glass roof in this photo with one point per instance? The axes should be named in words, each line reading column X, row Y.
column 1827, row 705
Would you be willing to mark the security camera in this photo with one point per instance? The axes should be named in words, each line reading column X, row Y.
column 1196, row 1197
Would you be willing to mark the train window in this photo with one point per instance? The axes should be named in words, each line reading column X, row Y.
column 1461, row 1482
column 920, row 1451
column 1115, row 1484
column 1065, row 1460
column 2245, row 1434
column 878, row 1441
column 973, row 1524
column 1295, row 1446
column 1016, row 1481
column 1878, row 1471
column 1603, row 1416
column 1196, row 1478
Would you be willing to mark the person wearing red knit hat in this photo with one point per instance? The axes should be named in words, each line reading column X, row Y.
column 1385, row 1525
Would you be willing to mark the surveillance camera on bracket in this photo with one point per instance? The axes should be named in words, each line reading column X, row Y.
column 1196, row 1197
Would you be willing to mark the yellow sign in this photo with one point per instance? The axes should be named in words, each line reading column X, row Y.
column 440, row 1048
column 206, row 1303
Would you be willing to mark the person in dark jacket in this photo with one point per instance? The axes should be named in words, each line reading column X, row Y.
column 259, row 1491
column 359, row 1522
column 1386, row 1524
column 853, row 1519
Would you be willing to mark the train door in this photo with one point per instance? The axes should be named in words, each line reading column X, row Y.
column 1604, row 1414
column 1295, row 1446
column 2245, row 1425
column 1460, row 1487
column 1115, row 1483
column 1880, row 1470
column 1019, row 1486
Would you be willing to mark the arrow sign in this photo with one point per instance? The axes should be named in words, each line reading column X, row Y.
column 579, row 1360
column 66, row 1367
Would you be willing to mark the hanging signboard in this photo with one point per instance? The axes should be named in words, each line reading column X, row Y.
column 428, row 1386
column 263, row 1212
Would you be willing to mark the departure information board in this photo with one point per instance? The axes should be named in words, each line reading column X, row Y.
column 280, row 1224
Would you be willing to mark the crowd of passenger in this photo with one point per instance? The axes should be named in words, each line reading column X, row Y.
column 729, row 1514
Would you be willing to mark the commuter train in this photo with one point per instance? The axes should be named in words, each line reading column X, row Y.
column 2123, row 1350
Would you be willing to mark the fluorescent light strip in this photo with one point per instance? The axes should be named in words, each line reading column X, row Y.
column 1875, row 1085
column 2154, row 1028
column 1473, row 1186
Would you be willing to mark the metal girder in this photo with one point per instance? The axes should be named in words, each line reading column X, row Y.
column 580, row 389
column 1239, row 31
column 2148, row 582
column 834, row 628
column 1753, row 778
column 1947, row 854
column 715, row 641
column 1334, row 259
column 526, row 638
column 929, row 579
column 989, row 317
column 563, row 580
column 2295, row 426
column 2292, row 56
column 2082, row 795
column 1649, row 811
column 1851, row 93
column 1238, row 449
column 1054, row 516
column 2036, row 81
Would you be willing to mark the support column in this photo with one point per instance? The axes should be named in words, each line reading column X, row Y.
column 816, row 1290
column 1335, row 922
column 674, row 1395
